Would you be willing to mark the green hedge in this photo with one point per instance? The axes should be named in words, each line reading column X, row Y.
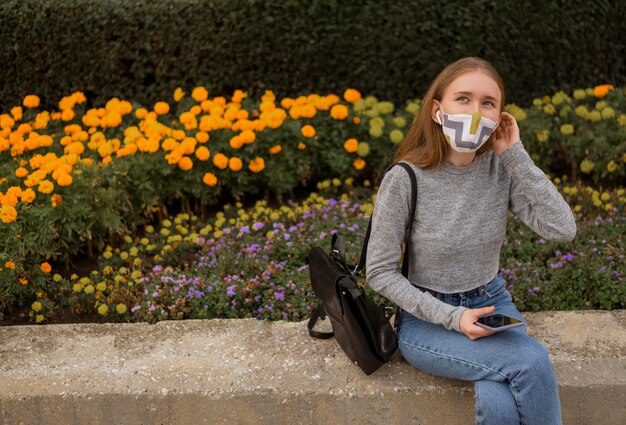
column 143, row 49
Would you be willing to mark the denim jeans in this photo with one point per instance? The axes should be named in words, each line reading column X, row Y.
column 514, row 381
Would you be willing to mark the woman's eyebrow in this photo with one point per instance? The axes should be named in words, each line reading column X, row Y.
column 467, row 93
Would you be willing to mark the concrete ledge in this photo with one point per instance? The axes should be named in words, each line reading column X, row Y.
column 253, row 372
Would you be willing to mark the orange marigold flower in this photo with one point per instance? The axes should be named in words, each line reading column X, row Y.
column 64, row 179
column 161, row 108
column 23, row 281
column 235, row 164
column 275, row 149
column 202, row 136
column 339, row 112
column 359, row 163
column 236, row 142
column 351, row 145
column 202, row 153
column 28, row 195
column 356, row 120
column 8, row 214
column 352, row 95
column 21, row 172
column 602, row 90
column 301, row 146
column 308, row 131
column 68, row 115
column 199, row 94
column 45, row 186
column 56, row 200
column 209, row 179
column 248, row 136
column 141, row 113
column 220, row 161
column 10, row 265
column 45, row 267
column 31, row 101
column 185, row 163
column 257, row 165
column 178, row 94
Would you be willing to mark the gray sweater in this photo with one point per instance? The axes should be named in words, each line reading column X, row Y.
column 459, row 227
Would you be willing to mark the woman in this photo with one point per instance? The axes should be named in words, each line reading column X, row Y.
column 471, row 169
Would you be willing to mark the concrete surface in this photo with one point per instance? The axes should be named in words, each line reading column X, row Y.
column 254, row 372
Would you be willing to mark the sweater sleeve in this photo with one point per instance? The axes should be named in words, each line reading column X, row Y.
column 390, row 222
column 534, row 199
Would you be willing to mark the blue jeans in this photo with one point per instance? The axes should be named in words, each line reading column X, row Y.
column 514, row 382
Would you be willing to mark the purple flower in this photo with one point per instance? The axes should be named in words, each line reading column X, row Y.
column 601, row 270
column 231, row 290
column 245, row 229
column 258, row 225
column 557, row 265
column 157, row 268
column 226, row 230
column 135, row 308
column 280, row 296
column 568, row 257
column 557, row 253
column 541, row 242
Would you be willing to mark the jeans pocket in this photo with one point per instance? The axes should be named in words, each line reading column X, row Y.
column 494, row 288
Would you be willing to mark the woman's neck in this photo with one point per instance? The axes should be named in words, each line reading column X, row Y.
column 460, row 159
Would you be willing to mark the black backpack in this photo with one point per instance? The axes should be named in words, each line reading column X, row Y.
column 360, row 326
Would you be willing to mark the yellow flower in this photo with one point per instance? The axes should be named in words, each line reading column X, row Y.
column 235, row 164
column 396, row 136
column 549, row 109
column 45, row 267
column 363, row 149
column 608, row 207
column 578, row 208
column 542, row 136
column 36, row 306
column 352, row 95
column 308, row 131
column 101, row 286
column 257, row 165
column 31, row 101
column 605, row 196
column 582, row 111
column 579, row 94
column 103, row 309
column 88, row 289
column 120, row 308
column 339, row 112
column 178, row 94
column 608, row 113
column 612, row 166
column 209, row 179
column 595, row 116
column 359, row 163
column 624, row 157
column 586, row 166
column 161, row 108
column 220, row 161
column 602, row 90
column 567, row 129
column 376, row 131
column 39, row 318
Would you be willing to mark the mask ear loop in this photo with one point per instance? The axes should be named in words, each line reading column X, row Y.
column 438, row 114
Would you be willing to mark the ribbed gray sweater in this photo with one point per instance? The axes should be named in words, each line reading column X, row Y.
column 459, row 227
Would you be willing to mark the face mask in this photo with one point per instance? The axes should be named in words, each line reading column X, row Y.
column 466, row 132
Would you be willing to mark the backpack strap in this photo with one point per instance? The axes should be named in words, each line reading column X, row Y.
column 405, row 259
column 319, row 313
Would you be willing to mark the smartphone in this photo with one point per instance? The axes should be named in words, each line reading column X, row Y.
column 498, row 322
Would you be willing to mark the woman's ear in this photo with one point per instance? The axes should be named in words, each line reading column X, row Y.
column 436, row 112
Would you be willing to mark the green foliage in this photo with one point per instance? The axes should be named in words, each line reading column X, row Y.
column 392, row 49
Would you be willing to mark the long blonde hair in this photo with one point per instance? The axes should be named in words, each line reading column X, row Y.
column 424, row 144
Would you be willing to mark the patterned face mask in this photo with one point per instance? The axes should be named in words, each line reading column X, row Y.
column 466, row 132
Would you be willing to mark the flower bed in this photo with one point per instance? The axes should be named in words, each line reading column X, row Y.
column 74, row 181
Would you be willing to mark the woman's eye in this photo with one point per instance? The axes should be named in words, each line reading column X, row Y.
column 490, row 102
column 462, row 98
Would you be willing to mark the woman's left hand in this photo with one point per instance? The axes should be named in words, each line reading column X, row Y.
column 506, row 134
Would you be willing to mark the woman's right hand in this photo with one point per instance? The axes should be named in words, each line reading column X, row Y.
column 468, row 322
